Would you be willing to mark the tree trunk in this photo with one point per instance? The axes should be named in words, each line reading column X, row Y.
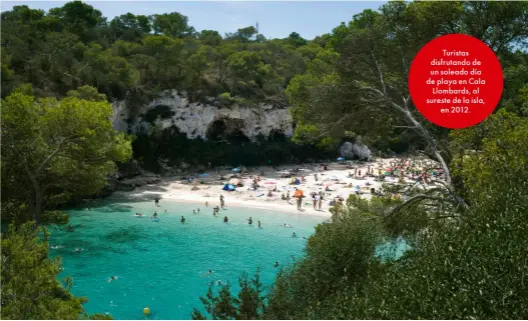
column 37, row 210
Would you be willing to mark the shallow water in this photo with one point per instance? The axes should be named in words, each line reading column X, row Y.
column 161, row 265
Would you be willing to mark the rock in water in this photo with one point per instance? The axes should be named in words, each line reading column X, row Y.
column 357, row 150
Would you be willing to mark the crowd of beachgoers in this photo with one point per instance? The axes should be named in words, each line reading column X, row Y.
column 309, row 188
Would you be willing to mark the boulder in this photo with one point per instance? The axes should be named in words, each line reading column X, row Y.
column 125, row 187
column 355, row 151
column 129, row 169
column 184, row 166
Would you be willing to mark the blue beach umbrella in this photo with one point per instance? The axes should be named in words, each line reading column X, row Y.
column 229, row 187
column 340, row 158
column 204, row 175
column 236, row 169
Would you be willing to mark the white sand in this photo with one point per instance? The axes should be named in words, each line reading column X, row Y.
column 336, row 177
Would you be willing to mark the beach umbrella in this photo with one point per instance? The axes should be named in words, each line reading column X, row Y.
column 273, row 183
column 340, row 158
column 236, row 170
column 229, row 187
column 204, row 175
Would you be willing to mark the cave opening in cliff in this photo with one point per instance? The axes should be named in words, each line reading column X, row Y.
column 227, row 130
column 276, row 135
column 216, row 130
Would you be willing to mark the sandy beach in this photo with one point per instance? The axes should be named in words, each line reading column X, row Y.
column 338, row 178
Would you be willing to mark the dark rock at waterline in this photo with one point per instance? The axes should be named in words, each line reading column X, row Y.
column 129, row 169
column 125, row 187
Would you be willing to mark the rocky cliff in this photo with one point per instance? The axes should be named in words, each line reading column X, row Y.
column 206, row 121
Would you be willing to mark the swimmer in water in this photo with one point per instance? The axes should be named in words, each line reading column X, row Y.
column 155, row 215
column 198, row 210
column 294, row 235
column 165, row 211
column 54, row 247
column 206, row 204
column 139, row 214
column 250, row 220
column 182, row 219
column 226, row 219
column 112, row 278
column 219, row 282
column 208, row 273
column 78, row 250
column 194, row 211
column 276, row 264
column 259, row 225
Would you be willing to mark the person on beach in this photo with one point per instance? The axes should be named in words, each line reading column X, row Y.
column 317, row 202
column 206, row 204
column 250, row 220
column 316, row 178
column 226, row 219
column 270, row 194
column 299, row 196
column 259, row 225
column 182, row 219
column 314, row 201
column 156, row 200
column 222, row 202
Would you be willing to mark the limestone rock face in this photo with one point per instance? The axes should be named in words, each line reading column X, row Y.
column 197, row 120
column 355, row 151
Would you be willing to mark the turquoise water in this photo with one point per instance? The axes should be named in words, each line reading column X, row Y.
column 161, row 265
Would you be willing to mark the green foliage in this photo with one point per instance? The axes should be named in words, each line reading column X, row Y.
column 172, row 24
column 374, row 52
column 486, row 152
column 249, row 304
column 473, row 268
column 30, row 289
column 54, row 151
column 73, row 46
column 87, row 93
